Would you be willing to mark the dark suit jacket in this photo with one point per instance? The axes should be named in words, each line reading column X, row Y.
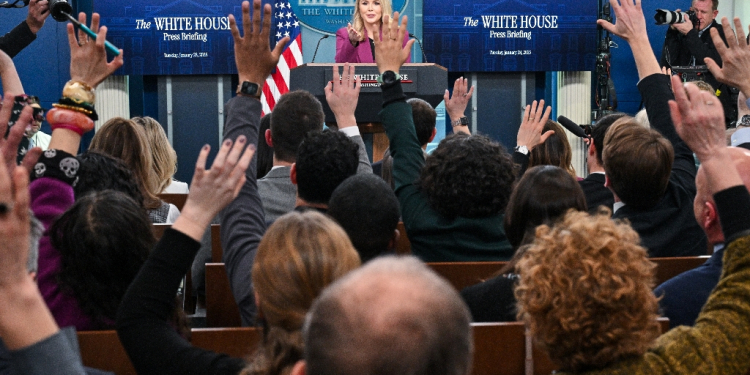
column 668, row 228
column 17, row 39
column 595, row 192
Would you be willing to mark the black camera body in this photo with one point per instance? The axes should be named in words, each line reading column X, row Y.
column 668, row 17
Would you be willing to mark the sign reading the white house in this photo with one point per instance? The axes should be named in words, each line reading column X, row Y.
column 511, row 35
column 172, row 37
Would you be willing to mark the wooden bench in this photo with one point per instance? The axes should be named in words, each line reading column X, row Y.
column 463, row 274
column 175, row 199
column 221, row 309
column 499, row 348
column 102, row 349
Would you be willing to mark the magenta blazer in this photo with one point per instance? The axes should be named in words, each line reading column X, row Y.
column 346, row 53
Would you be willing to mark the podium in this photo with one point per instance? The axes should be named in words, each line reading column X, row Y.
column 425, row 81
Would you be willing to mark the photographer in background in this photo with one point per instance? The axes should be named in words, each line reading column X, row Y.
column 688, row 43
column 22, row 35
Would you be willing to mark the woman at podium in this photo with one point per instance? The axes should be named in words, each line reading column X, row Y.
column 354, row 42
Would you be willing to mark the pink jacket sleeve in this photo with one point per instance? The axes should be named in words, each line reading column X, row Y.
column 345, row 52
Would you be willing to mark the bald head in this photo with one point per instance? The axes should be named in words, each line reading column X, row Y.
column 704, row 207
column 392, row 316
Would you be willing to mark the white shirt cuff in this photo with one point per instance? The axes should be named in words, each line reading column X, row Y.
column 351, row 131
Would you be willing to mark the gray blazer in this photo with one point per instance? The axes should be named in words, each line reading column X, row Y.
column 277, row 192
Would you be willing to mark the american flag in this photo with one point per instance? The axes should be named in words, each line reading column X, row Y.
column 285, row 23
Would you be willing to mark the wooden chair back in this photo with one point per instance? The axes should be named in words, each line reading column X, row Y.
column 463, row 274
column 217, row 251
column 221, row 309
column 667, row 268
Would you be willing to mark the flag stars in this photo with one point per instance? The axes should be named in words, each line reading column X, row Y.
column 278, row 35
column 296, row 23
column 288, row 24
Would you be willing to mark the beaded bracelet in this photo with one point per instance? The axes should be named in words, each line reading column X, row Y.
column 66, row 118
column 79, row 91
column 75, row 105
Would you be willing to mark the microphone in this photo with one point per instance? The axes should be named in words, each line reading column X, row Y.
column 424, row 57
column 318, row 46
column 571, row 126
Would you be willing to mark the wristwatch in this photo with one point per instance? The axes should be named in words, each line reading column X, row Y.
column 463, row 121
column 250, row 89
column 521, row 149
column 388, row 77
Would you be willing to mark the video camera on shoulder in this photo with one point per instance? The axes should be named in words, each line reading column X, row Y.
column 668, row 17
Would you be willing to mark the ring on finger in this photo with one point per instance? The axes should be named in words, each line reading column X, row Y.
column 709, row 103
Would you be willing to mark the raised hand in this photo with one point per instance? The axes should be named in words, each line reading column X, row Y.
column 629, row 21
column 252, row 51
column 390, row 53
column 456, row 105
column 354, row 36
column 530, row 131
column 88, row 58
column 211, row 190
column 698, row 118
column 9, row 146
column 342, row 95
column 38, row 12
column 736, row 58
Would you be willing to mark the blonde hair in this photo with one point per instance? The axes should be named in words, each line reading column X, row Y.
column 163, row 156
column 300, row 254
column 359, row 24
column 123, row 139
column 586, row 292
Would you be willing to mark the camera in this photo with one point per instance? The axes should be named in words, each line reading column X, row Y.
column 668, row 17
column 59, row 9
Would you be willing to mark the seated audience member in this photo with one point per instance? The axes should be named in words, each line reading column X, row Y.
column 22, row 35
column 366, row 207
column 264, row 153
column 683, row 296
column 393, row 316
column 454, row 210
column 297, row 113
column 300, row 254
column 542, row 196
column 424, row 123
column 278, row 193
column 651, row 172
column 123, row 139
column 741, row 137
column 553, row 151
column 324, row 160
column 36, row 344
column 11, row 83
column 593, row 185
column 163, row 158
column 626, row 340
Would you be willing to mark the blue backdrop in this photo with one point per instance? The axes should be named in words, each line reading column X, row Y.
column 511, row 35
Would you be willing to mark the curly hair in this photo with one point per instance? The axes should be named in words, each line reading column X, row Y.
column 324, row 160
column 469, row 176
column 586, row 292
column 99, row 258
column 300, row 254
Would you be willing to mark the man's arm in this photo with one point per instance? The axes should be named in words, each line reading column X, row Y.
column 702, row 47
column 342, row 96
column 243, row 222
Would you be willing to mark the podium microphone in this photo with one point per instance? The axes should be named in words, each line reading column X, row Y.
column 571, row 126
column 424, row 57
column 316, row 47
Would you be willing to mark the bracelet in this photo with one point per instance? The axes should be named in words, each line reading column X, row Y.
column 60, row 116
column 73, row 108
column 70, row 127
column 73, row 104
column 79, row 91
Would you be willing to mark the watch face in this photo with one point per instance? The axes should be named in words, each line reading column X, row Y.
column 250, row 88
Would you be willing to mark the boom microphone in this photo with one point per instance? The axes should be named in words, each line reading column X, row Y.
column 571, row 126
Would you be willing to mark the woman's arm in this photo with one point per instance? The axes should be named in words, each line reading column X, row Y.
column 9, row 76
column 345, row 51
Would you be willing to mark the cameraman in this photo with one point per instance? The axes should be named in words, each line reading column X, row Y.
column 22, row 35
column 687, row 44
